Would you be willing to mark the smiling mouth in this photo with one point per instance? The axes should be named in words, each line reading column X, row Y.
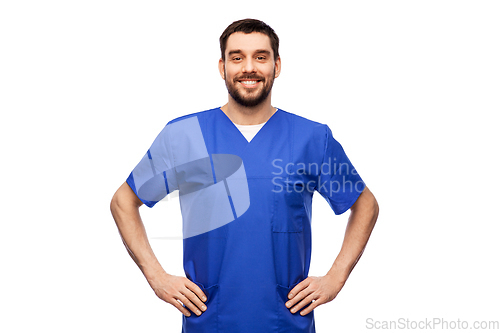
column 249, row 83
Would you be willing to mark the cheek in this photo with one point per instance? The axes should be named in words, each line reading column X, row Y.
column 230, row 71
column 269, row 71
column 230, row 76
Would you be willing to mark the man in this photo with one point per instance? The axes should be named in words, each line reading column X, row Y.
column 246, row 173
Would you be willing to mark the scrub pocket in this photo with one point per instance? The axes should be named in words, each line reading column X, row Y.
column 208, row 320
column 292, row 322
column 289, row 212
column 289, row 253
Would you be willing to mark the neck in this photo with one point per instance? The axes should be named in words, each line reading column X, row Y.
column 243, row 115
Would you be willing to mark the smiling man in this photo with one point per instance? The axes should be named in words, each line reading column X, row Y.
column 249, row 69
column 246, row 173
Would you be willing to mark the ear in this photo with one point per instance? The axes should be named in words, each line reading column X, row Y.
column 277, row 67
column 221, row 68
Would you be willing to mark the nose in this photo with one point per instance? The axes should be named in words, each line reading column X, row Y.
column 248, row 66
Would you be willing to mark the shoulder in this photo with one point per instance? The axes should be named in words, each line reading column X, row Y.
column 200, row 115
column 302, row 120
column 306, row 126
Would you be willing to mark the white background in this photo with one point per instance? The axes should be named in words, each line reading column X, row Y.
column 410, row 89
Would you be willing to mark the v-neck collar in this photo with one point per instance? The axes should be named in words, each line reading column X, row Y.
column 259, row 133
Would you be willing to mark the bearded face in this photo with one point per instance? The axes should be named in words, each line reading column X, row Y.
column 249, row 89
column 249, row 68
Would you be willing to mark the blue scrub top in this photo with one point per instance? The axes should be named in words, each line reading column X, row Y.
column 247, row 253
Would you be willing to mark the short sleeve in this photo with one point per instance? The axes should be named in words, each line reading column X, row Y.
column 153, row 177
column 339, row 182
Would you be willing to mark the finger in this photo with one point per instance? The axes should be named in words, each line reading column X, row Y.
column 194, row 300
column 298, row 288
column 178, row 304
column 306, row 301
column 196, row 290
column 311, row 307
column 299, row 297
column 188, row 304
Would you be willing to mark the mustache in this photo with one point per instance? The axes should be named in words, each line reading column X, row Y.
column 249, row 77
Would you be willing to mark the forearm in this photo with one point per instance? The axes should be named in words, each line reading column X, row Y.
column 133, row 234
column 359, row 227
column 176, row 290
column 323, row 289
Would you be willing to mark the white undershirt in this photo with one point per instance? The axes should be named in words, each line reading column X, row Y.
column 249, row 131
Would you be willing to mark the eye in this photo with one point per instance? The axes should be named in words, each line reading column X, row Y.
column 261, row 58
column 236, row 58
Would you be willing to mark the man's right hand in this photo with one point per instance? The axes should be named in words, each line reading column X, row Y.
column 175, row 289
column 170, row 288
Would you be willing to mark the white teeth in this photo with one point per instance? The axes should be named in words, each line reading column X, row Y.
column 249, row 82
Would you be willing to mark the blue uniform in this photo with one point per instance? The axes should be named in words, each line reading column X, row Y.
column 246, row 210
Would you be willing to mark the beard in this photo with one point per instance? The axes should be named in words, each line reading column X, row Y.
column 256, row 96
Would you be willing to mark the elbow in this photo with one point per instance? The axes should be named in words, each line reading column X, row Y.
column 117, row 202
column 375, row 210
column 114, row 204
column 367, row 205
column 373, row 207
column 124, row 199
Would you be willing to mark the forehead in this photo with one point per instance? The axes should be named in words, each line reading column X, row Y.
column 248, row 43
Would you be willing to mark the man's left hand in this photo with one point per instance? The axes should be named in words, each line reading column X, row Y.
column 318, row 290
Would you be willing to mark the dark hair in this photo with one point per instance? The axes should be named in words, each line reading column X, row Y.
column 248, row 26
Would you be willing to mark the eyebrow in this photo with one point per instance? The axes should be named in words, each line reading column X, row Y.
column 257, row 52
